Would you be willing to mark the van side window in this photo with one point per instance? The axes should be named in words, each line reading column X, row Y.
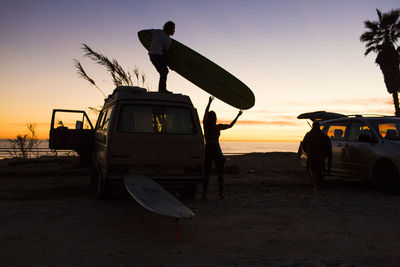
column 156, row 119
column 337, row 131
column 357, row 128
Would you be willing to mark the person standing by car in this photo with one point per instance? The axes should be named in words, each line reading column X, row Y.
column 317, row 146
column 213, row 149
column 159, row 45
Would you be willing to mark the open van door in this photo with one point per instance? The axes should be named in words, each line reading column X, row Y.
column 72, row 129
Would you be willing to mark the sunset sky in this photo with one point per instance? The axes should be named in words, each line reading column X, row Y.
column 296, row 55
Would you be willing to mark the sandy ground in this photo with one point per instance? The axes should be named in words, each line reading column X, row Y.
column 50, row 216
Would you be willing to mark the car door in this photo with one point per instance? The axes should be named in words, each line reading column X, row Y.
column 359, row 151
column 337, row 131
column 71, row 130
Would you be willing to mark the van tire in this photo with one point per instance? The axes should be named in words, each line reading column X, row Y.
column 386, row 176
column 188, row 192
column 103, row 186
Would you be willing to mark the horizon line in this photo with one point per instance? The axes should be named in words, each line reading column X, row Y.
column 222, row 140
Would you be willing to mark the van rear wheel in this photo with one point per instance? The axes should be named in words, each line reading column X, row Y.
column 188, row 192
column 103, row 186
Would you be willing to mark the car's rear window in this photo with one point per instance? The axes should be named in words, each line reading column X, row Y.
column 387, row 128
column 156, row 119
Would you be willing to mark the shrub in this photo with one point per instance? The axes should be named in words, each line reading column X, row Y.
column 25, row 146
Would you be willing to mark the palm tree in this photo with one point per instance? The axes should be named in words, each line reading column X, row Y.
column 381, row 38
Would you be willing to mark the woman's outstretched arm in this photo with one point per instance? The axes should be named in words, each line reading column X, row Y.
column 227, row 126
column 207, row 109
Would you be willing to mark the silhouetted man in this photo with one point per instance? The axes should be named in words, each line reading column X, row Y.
column 160, row 43
column 317, row 147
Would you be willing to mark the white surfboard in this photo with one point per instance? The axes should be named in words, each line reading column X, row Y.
column 154, row 197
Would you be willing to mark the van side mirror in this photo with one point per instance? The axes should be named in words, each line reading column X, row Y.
column 78, row 125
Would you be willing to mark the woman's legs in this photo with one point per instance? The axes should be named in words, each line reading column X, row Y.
column 209, row 151
column 214, row 153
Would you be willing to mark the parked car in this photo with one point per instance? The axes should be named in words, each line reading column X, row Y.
column 148, row 133
column 362, row 146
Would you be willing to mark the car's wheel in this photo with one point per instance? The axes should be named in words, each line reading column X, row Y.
column 188, row 192
column 386, row 176
column 103, row 186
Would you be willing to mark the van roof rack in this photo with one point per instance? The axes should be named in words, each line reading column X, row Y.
column 136, row 92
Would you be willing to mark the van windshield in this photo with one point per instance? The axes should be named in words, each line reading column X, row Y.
column 156, row 119
column 388, row 128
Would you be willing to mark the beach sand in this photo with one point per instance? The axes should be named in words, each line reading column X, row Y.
column 49, row 215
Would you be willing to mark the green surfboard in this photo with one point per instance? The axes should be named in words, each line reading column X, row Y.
column 204, row 73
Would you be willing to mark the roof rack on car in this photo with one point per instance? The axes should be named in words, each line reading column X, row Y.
column 366, row 115
column 354, row 115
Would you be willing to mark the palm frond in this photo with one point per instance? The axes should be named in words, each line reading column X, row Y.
column 95, row 110
column 82, row 73
column 143, row 78
column 367, row 36
column 373, row 25
column 369, row 50
column 129, row 78
column 386, row 29
column 136, row 72
column 119, row 75
column 124, row 76
column 379, row 14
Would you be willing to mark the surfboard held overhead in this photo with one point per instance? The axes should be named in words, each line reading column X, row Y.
column 204, row 73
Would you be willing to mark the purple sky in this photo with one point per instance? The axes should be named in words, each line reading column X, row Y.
column 296, row 56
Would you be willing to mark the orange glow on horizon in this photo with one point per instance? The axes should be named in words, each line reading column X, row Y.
column 231, row 135
column 261, row 140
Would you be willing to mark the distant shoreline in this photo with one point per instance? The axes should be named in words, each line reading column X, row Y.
column 228, row 147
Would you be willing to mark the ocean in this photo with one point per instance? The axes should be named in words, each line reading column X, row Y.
column 260, row 147
column 227, row 147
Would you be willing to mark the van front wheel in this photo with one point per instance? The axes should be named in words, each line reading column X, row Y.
column 103, row 186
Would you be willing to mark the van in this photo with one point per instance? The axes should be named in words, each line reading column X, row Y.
column 137, row 132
